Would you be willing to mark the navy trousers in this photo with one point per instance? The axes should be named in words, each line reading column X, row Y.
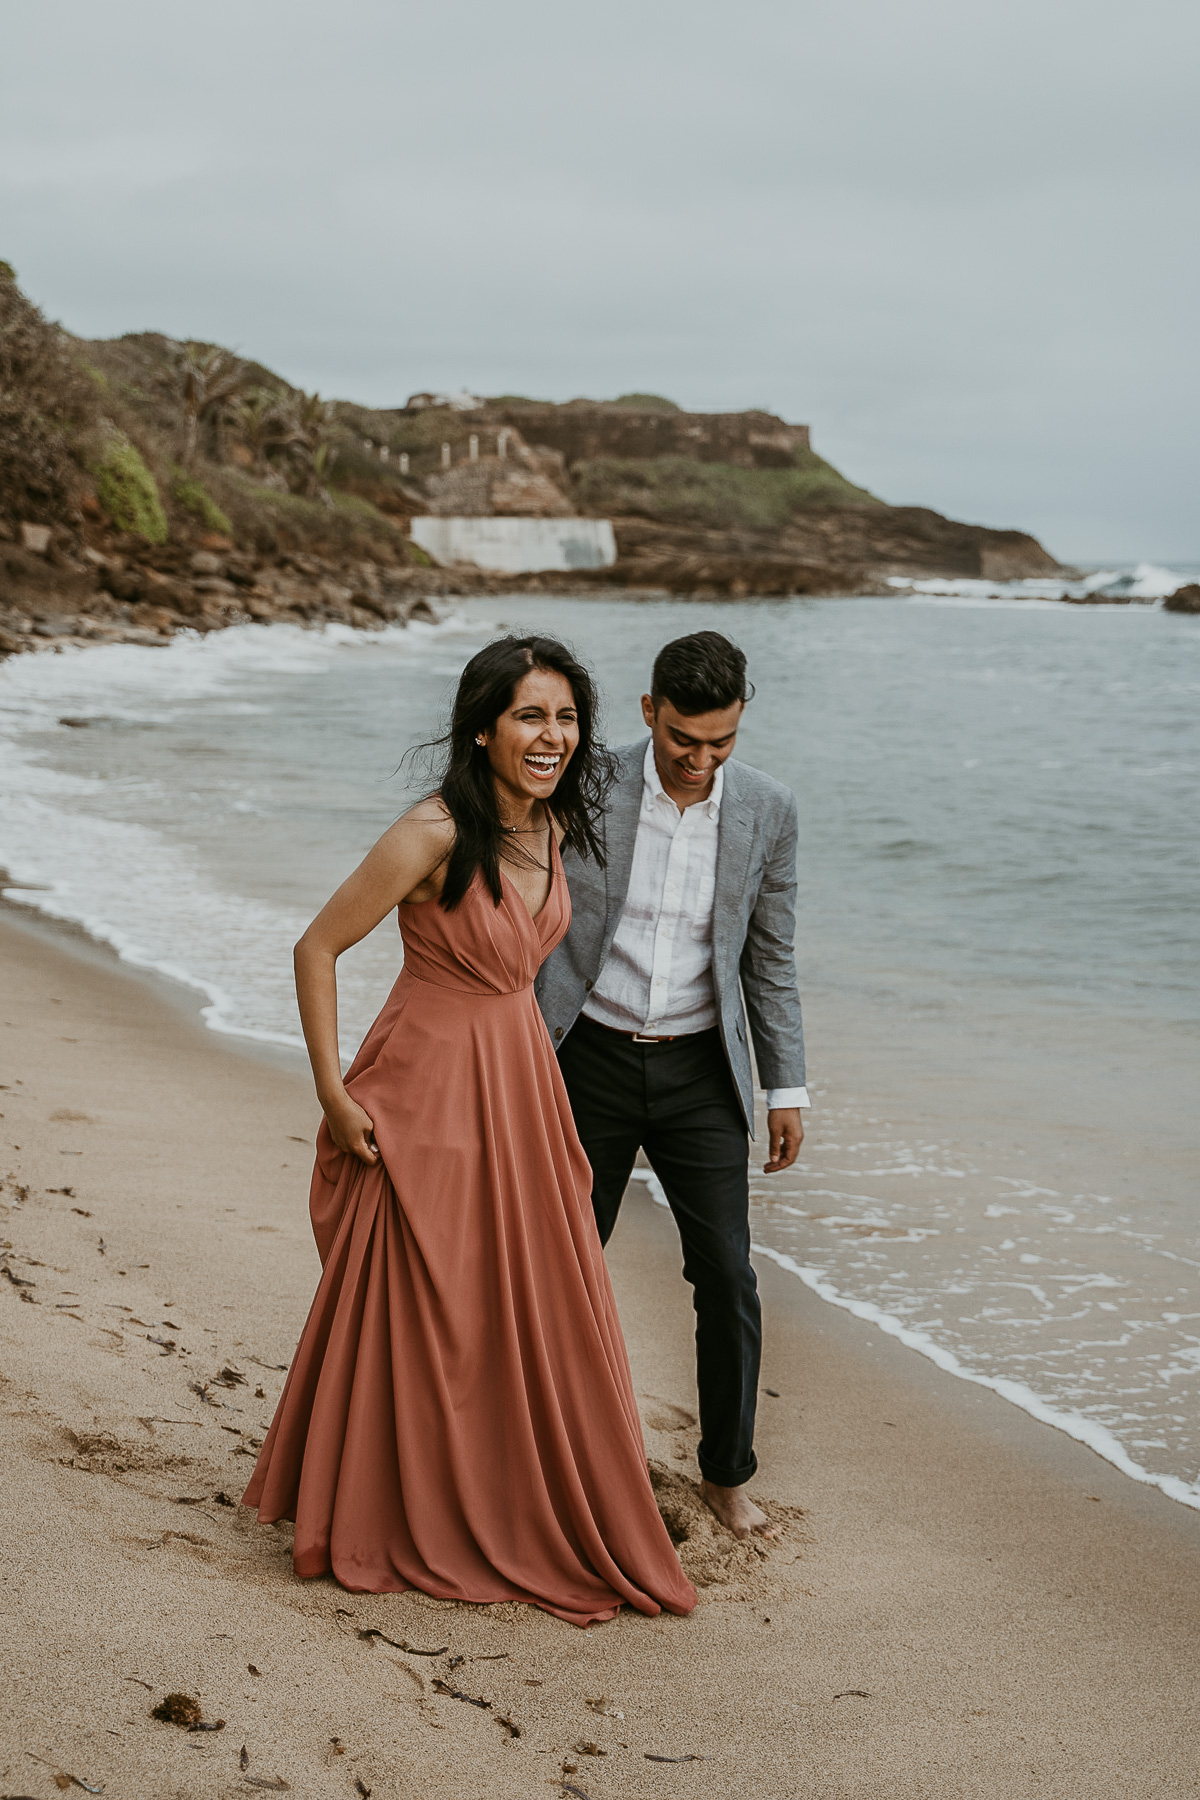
column 677, row 1102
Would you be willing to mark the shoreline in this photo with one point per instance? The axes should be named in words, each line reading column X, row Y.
column 191, row 1000
column 46, row 630
column 196, row 1003
column 966, row 1603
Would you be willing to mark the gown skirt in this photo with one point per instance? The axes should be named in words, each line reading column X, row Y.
column 459, row 1415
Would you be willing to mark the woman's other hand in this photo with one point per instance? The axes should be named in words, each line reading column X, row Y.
column 351, row 1128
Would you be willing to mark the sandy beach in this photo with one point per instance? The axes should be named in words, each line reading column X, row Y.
column 963, row 1602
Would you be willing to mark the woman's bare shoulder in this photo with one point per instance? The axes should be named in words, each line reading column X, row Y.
column 431, row 814
column 421, row 839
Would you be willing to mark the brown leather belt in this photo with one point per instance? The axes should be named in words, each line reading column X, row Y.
column 639, row 1037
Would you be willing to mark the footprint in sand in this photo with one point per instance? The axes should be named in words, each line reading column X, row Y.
column 664, row 1415
column 103, row 1453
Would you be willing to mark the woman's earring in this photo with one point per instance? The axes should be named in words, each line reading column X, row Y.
column 480, row 739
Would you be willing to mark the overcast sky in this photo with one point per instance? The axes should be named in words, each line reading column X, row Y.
column 958, row 237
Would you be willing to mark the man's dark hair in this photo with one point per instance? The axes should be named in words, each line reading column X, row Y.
column 700, row 674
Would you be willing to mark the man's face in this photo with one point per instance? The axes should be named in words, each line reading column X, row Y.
column 690, row 747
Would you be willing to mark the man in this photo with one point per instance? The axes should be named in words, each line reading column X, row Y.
column 643, row 1000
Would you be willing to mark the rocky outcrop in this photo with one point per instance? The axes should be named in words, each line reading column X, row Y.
column 131, row 596
column 1184, row 599
column 824, row 550
column 688, row 533
column 913, row 541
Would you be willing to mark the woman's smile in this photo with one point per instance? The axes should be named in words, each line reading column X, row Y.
column 544, row 765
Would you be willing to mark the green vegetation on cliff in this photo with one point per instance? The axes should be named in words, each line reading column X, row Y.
column 200, row 503
column 47, row 405
column 127, row 490
column 715, row 496
column 647, row 402
column 267, row 517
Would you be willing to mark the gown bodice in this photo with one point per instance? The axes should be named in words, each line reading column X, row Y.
column 481, row 947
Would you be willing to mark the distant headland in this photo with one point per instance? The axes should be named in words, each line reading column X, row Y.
column 148, row 485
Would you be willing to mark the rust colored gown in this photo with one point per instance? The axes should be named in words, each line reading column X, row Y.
column 459, row 1415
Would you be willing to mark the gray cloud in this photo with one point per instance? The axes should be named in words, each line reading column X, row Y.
column 958, row 239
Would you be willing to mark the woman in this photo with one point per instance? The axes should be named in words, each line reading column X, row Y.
column 459, row 1415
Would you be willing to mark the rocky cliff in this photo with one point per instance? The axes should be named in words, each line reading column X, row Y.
column 147, row 484
column 822, row 549
column 704, row 503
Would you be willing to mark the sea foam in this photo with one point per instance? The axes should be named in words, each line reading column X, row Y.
column 1075, row 1424
column 1143, row 585
column 127, row 885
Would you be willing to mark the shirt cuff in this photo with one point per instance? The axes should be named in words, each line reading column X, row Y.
column 777, row 1097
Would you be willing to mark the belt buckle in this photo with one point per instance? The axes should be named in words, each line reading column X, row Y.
column 638, row 1037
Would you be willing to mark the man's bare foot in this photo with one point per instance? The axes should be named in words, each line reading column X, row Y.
column 737, row 1511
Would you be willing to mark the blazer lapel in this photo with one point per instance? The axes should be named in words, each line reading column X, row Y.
column 735, row 838
column 620, row 836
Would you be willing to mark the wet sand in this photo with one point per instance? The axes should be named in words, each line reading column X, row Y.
column 964, row 1602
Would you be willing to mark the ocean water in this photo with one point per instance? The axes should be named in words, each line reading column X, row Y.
column 998, row 933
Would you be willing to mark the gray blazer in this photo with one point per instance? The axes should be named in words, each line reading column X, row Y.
column 754, row 922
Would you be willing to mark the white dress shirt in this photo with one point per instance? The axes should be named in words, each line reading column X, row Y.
column 657, row 977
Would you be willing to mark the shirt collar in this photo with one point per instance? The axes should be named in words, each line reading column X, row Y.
column 653, row 781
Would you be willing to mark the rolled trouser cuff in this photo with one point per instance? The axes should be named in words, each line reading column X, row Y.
column 720, row 1477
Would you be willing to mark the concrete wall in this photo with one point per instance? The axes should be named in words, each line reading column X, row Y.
column 518, row 546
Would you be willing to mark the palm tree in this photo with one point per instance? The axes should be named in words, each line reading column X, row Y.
column 203, row 381
column 261, row 419
column 312, row 422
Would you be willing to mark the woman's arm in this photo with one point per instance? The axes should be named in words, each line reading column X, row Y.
column 398, row 866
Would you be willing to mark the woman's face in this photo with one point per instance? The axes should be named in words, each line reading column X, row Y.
column 533, row 740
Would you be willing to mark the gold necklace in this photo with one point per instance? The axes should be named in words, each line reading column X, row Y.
column 522, row 830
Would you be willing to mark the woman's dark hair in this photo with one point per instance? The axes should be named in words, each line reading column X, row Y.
column 485, row 689
column 700, row 674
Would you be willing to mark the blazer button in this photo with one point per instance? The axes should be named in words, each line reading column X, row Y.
column 558, row 1031
column 588, row 986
